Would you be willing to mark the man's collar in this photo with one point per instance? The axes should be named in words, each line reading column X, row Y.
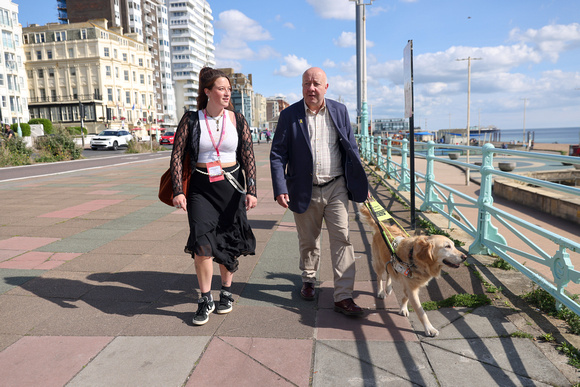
column 319, row 110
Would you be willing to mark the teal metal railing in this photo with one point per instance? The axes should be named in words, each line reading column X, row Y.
column 449, row 202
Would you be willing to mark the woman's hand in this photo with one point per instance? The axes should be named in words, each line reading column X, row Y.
column 251, row 202
column 180, row 202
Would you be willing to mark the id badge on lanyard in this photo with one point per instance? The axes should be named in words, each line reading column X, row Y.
column 214, row 169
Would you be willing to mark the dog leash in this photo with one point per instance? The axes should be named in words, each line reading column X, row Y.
column 379, row 215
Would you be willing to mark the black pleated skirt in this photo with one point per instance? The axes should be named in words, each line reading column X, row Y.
column 218, row 222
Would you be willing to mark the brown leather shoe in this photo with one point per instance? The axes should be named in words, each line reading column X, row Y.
column 307, row 292
column 348, row 307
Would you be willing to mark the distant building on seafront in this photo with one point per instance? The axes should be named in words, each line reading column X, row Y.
column 148, row 20
column 13, row 88
column 89, row 64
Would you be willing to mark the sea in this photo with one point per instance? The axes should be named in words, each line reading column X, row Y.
column 543, row 135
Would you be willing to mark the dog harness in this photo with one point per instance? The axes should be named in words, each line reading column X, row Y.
column 379, row 215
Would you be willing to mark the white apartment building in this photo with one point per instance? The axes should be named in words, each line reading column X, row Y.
column 13, row 88
column 191, row 36
column 87, row 63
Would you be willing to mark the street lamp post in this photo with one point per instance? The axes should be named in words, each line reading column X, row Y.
column 468, row 59
column 524, row 135
column 361, row 67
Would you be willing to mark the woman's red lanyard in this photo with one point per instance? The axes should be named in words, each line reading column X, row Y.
column 214, row 169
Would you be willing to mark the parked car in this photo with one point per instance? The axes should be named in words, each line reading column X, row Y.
column 167, row 138
column 111, row 139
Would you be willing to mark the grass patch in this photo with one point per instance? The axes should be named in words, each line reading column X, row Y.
column 547, row 304
column 500, row 263
column 458, row 300
column 144, row 147
column 571, row 352
column 521, row 335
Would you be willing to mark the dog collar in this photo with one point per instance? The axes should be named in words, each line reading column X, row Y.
column 401, row 266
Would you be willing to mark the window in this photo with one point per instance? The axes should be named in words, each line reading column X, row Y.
column 1, row 79
column 108, row 71
column 60, row 36
column 39, row 55
column 116, row 72
column 75, row 93
column 25, row 38
column 124, row 57
column 83, row 34
column 51, row 73
column 39, row 37
column 141, row 62
column 107, row 51
column 40, row 73
column 71, row 52
column 110, row 95
column 48, row 54
column 126, row 74
column 119, row 95
column 115, row 53
column 28, row 55
column 134, row 77
column 128, row 97
column 142, row 79
column 73, row 71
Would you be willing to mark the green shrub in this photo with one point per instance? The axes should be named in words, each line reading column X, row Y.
column 76, row 130
column 25, row 128
column 57, row 147
column 14, row 152
column 143, row 147
column 546, row 303
column 46, row 123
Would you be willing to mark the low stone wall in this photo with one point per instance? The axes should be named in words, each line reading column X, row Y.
column 549, row 201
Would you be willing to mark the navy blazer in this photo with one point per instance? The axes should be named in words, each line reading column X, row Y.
column 291, row 161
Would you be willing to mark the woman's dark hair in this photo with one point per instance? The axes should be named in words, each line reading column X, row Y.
column 207, row 78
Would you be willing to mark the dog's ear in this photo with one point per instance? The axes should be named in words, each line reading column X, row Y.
column 423, row 248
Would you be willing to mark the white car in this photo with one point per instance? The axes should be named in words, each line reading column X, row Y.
column 111, row 139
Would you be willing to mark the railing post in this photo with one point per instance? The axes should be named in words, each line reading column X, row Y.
column 380, row 160
column 405, row 185
column 485, row 230
column 431, row 196
column 389, row 168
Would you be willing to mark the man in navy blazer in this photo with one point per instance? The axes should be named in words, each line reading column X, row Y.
column 316, row 170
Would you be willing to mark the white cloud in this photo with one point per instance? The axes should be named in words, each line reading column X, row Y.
column 239, row 26
column 240, row 29
column 348, row 39
column 334, row 9
column 329, row 63
column 550, row 40
column 289, row 26
column 293, row 66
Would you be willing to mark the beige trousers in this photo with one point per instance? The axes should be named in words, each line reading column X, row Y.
column 328, row 203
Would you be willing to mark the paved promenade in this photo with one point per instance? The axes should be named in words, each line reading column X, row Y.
column 95, row 290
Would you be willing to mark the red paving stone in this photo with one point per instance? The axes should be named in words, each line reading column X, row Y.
column 47, row 360
column 244, row 368
column 81, row 209
column 38, row 260
column 7, row 254
column 289, row 358
column 25, row 243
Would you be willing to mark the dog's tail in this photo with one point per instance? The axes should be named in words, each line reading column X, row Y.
column 368, row 217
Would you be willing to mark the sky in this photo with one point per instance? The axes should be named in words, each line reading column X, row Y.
column 528, row 72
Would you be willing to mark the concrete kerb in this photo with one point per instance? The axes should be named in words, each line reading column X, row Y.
column 512, row 284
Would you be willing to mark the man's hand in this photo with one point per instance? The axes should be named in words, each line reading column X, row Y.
column 283, row 200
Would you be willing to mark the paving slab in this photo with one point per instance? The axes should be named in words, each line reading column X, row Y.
column 143, row 361
column 47, row 361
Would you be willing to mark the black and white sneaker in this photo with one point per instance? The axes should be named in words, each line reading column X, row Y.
column 226, row 302
column 204, row 308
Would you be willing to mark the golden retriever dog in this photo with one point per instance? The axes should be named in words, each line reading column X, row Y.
column 420, row 258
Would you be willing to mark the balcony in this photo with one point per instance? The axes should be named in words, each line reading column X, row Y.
column 72, row 98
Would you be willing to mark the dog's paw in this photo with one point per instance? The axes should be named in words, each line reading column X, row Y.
column 389, row 289
column 381, row 294
column 404, row 312
column 431, row 332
